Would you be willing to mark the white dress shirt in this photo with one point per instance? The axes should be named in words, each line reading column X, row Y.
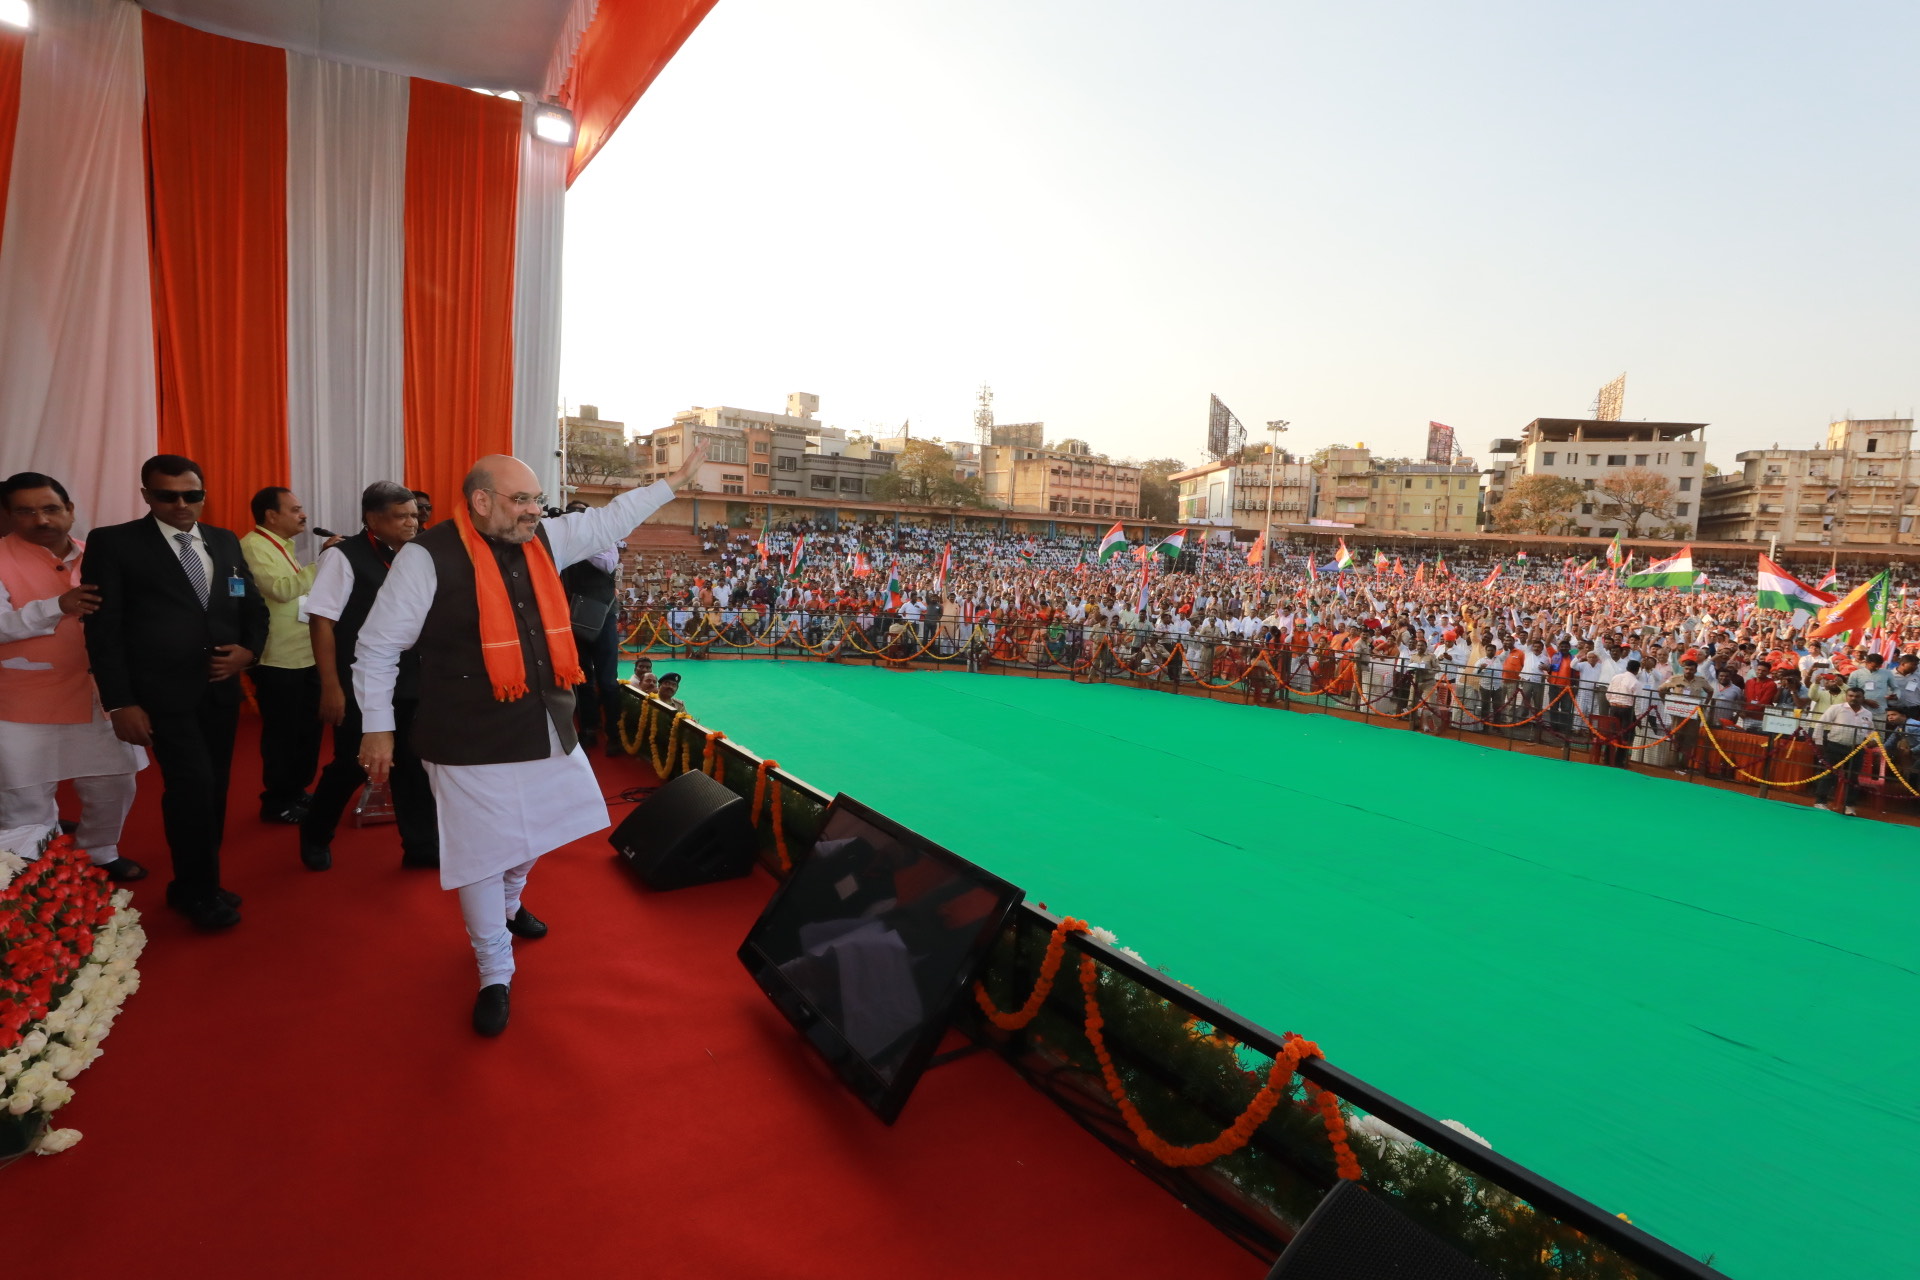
column 332, row 585
column 199, row 545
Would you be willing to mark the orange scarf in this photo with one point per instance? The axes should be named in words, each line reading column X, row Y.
column 499, row 636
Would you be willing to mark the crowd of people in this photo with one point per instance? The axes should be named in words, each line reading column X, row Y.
column 464, row 666
column 1533, row 649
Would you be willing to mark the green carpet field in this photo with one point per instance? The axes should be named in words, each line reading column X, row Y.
column 1694, row 1007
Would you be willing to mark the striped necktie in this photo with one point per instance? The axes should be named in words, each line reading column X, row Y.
column 190, row 561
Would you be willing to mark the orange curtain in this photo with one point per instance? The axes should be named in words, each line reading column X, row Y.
column 12, row 45
column 463, row 182
column 217, row 164
column 624, row 48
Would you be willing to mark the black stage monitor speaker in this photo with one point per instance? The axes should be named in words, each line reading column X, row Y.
column 869, row 943
column 1354, row 1234
column 691, row 831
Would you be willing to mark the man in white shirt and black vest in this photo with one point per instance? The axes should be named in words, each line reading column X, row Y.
column 478, row 598
column 350, row 576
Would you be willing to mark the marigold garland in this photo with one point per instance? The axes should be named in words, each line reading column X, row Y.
column 711, row 763
column 1042, row 987
column 664, row 766
column 768, row 787
column 1236, row 1135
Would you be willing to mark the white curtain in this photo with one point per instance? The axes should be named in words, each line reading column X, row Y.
column 77, row 397
column 346, row 197
column 572, row 27
column 536, row 304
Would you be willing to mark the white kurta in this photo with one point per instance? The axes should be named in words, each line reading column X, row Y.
column 35, row 754
column 493, row 816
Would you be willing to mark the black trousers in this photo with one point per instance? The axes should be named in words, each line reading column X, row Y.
column 597, row 698
column 413, row 807
column 194, row 751
column 290, row 726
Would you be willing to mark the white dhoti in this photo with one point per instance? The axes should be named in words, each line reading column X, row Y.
column 36, row 758
column 495, row 822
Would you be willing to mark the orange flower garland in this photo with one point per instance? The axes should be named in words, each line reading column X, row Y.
column 765, row 785
column 710, row 762
column 1042, row 987
column 1343, row 1158
column 1236, row 1135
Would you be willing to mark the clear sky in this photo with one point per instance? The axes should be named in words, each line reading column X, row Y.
column 1355, row 216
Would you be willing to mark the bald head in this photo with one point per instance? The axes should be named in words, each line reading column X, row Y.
column 503, row 496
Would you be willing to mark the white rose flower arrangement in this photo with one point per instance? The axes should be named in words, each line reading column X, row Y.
column 71, row 952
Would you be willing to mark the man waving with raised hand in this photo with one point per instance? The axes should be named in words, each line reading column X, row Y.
column 479, row 600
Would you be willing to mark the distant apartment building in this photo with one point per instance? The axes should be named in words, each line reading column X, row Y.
column 1235, row 494
column 1341, row 491
column 1862, row 487
column 756, row 453
column 1589, row 451
column 1424, row 497
column 1071, row 481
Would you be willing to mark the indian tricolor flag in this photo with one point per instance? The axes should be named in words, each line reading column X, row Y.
column 1113, row 544
column 895, row 597
column 1172, row 545
column 1379, row 562
column 1344, row 558
column 1674, row 571
column 1616, row 556
column 1781, row 590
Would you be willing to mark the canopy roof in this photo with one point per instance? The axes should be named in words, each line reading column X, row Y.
column 490, row 44
column 596, row 56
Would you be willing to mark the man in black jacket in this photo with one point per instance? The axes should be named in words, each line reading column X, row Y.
column 179, row 618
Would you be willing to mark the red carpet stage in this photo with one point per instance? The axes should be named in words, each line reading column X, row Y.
column 303, row 1097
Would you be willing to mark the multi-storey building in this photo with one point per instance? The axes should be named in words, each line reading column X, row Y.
column 1863, row 487
column 752, row 452
column 1341, row 489
column 1234, row 494
column 1072, row 481
column 1424, row 497
column 1589, row 452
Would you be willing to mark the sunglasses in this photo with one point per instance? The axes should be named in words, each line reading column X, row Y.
column 187, row 496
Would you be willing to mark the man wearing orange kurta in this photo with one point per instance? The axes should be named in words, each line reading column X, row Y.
column 52, row 727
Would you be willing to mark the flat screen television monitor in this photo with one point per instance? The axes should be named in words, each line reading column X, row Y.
column 868, row 944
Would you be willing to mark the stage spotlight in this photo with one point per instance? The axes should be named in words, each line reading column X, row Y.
column 553, row 123
column 16, row 13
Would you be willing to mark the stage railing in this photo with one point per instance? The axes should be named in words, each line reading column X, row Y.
column 1190, row 1067
column 1539, row 716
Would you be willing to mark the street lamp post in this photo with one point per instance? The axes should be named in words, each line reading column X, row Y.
column 1274, row 429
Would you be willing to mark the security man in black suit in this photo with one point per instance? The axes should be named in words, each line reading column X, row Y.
column 179, row 618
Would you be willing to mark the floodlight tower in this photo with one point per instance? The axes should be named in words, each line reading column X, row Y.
column 1274, row 429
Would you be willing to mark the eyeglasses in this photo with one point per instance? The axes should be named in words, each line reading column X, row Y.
column 521, row 499
column 169, row 496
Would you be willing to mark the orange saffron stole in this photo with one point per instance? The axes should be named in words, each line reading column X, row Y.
column 499, row 637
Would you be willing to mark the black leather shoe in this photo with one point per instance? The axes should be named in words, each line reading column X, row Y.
column 315, row 855
column 490, row 1010
column 124, row 870
column 420, row 861
column 526, row 925
column 289, row 815
column 209, row 914
column 227, row 896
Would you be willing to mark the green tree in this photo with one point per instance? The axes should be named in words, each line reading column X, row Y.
column 1159, row 496
column 924, row 473
column 1537, row 504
